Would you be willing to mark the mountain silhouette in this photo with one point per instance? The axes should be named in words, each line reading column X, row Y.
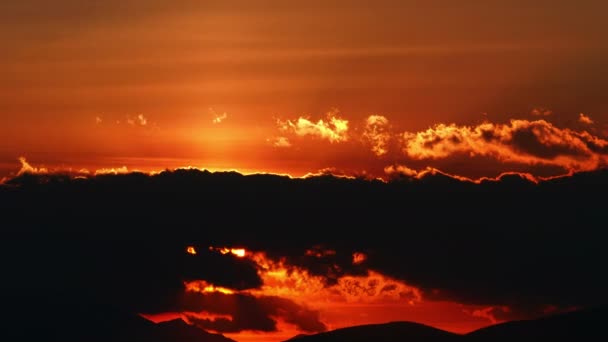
column 388, row 332
column 583, row 325
column 178, row 330
column 70, row 320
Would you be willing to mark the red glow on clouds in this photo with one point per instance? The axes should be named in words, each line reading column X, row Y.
column 238, row 252
column 351, row 300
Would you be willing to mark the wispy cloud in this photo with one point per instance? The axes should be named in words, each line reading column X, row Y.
column 27, row 168
column 139, row 120
column 541, row 111
column 376, row 134
column 582, row 118
column 333, row 128
column 112, row 171
column 218, row 118
column 279, row 142
column 491, row 313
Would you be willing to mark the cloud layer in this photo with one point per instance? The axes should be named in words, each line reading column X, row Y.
column 519, row 141
column 333, row 129
column 376, row 134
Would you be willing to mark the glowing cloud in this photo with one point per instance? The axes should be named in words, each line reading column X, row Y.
column 239, row 252
column 201, row 286
column 540, row 111
column 295, row 283
column 582, row 118
column 112, row 171
column 218, row 118
column 520, row 141
column 334, row 129
column 319, row 252
column 400, row 171
column 191, row 250
column 26, row 168
column 139, row 120
column 279, row 142
column 359, row 258
column 377, row 134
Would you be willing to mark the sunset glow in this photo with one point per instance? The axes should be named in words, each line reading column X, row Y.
column 238, row 252
column 204, row 287
column 353, row 300
column 251, row 171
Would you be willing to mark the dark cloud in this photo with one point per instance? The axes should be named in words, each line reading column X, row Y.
column 250, row 313
column 122, row 238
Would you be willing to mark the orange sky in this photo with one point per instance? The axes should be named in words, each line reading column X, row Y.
column 152, row 84
column 377, row 88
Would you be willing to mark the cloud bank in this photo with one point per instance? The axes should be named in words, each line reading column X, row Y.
column 333, row 129
column 519, row 141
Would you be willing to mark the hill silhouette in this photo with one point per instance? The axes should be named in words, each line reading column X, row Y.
column 389, row 332
column 583, row 325
column 83, row 319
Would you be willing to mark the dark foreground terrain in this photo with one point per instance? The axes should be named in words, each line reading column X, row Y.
column 80, row 258
column 584, row 325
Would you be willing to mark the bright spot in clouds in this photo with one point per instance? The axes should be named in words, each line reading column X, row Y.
column 333, row 128
column 582, row 118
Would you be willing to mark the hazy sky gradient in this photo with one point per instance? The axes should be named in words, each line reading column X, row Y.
column 66, row 63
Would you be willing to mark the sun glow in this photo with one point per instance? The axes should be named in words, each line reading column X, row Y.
column 202, row 286
column 238, row 252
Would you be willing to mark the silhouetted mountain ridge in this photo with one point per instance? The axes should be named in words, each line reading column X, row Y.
column 583, row 325
column 389, row 332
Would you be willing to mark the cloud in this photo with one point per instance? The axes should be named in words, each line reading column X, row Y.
column 26, row 168
column 139, row 120
column 250, row 313
column 400, row 172
column 218, row 118
column 112, row 171
column 494, row 314
column 540, row 111
column 98, row 120
column 49, row 173
column 520, row 141
column 376, row 134
column 334, row 129
column 582, row 118
column 359, row 258
column 279, row 142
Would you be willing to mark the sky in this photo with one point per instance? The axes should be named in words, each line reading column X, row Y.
column 476, row 92
column 151, row 85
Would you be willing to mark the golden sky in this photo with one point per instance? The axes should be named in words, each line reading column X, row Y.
column 223, row 84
